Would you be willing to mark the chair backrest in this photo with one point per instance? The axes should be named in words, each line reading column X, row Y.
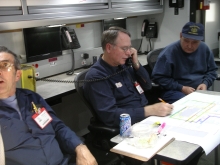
column 79, row 88
column 153, row 94
column 96, row 125
column 152, row 57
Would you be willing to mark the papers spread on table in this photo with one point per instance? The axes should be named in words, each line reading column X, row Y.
column 143, row 143
column 195, row 119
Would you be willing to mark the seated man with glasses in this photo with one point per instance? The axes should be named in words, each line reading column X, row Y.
column 31, row 131
column 124, row 91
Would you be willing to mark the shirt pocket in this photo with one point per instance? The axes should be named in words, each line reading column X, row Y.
column 14, row 132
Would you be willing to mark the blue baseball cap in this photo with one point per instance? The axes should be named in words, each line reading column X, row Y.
column 193, row 31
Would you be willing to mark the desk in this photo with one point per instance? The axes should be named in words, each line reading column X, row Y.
column 50, row 89
column 180, row 152
column 177, row 152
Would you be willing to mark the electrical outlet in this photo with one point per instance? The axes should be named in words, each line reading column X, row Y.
column 83, row 62
column 37, row 74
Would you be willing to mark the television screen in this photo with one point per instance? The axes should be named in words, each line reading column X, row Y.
column 107, row 23
column 42, row 43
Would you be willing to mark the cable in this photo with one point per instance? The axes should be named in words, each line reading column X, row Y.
column 150, row 44
column 73, row 81
column 70, row 72
column 140, row 45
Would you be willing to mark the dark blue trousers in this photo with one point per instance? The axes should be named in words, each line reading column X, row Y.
column 171, row 96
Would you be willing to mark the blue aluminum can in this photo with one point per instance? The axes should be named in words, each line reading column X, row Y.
column 125, row 125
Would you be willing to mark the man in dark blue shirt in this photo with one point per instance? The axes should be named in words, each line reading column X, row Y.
column 33, row 135
column 185, row 65
column 123, row 92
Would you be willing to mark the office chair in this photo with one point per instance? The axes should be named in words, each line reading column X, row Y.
column 152, row 57
column 153, row 94
column 102, row 133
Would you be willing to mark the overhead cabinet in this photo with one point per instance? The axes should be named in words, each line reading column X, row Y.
column 17, row 14
column 12, row 7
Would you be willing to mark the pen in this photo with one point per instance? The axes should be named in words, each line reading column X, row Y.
column 161, row 127
column 34, row 107
column 161, row 100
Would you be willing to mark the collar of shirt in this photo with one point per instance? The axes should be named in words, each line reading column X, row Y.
column 111, row 69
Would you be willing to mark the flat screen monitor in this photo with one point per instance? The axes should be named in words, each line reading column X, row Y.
column 107, row 23
column 42, row 43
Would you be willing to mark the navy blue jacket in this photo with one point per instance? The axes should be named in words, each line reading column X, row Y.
column 176, row 68
column 25, row 142
column 116, row 95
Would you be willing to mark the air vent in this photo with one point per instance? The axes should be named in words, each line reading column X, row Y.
column 10, row 8
column 45, row 7
column 135, row 4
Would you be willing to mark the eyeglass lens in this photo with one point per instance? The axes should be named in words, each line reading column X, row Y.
column 4, row 65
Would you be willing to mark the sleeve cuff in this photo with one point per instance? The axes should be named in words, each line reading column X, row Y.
column 179, row 87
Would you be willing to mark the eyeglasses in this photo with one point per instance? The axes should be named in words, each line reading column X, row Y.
column 5, row 66
column 125, row 48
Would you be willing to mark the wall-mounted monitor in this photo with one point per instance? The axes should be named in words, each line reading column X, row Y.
column 107, row 23
column 42, row 43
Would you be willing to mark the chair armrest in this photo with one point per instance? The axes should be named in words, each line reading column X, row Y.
column 218, row 77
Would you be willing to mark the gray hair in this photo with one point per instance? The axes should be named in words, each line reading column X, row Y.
column 110, row 35
column 17, row 64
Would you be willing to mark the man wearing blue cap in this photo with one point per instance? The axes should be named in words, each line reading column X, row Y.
column 185, row 65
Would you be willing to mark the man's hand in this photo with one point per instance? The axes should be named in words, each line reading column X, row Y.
column 134, row 57
column 158, row 109
column 84, row 156
column 202, row 87
column 187, row 90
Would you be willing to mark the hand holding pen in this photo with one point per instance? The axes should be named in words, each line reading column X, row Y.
column 161, row 100
column 165, row 108
column 158, row 109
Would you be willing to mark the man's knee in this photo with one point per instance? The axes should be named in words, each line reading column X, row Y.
column 172, row 96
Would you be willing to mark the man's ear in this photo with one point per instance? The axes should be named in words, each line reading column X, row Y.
column 18, row 75
column 180, row 35
column 108, row 47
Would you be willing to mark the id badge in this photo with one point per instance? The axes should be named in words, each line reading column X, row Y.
column 42, row 118
column 138, row 87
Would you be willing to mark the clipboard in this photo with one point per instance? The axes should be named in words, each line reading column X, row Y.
column 143, row 154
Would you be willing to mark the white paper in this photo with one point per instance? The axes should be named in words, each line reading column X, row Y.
column 195, row 119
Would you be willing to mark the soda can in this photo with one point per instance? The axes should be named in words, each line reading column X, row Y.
column 125, row 125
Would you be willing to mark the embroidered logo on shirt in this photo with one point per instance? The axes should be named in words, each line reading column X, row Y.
column 118, row 85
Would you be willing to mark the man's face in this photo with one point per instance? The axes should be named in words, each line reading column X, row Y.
column 120, row 51
column 8, row 75
column 189, row 45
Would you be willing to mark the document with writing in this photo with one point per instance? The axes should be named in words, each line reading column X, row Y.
column 194, row 119
column 141, row 153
